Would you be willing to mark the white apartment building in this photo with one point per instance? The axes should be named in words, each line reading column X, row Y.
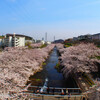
column 14, row 40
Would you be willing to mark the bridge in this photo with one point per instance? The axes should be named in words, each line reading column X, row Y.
column 34, row 93
column 45, row 89
column 53, row 90
column 46, row 93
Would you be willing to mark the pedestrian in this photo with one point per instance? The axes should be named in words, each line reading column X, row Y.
column 37, row 91
column 48, row 90
column 66, row 91
column 69, row 95
column 62, row 92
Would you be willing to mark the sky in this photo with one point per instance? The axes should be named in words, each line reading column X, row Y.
column 60, row 18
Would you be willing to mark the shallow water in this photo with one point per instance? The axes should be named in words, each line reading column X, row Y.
column 55, row 78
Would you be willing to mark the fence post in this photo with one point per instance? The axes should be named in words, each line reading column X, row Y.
column 42, row 97
column 81, row 98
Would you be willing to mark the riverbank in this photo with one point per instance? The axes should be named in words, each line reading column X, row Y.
column 81, row 61
column 17, row 64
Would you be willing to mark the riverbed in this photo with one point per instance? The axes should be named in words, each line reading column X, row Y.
column 55, row 78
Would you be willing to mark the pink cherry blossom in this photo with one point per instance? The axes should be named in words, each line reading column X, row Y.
column 79, row 58
column 17, row 64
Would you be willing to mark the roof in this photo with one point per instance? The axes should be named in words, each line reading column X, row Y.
column 15, row 35
column 96, row 34
column 20, row 35
column 59, row 41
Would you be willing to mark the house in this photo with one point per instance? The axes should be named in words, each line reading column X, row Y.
column 75, row 39
column 96, row 36
column 59, row 41
column 84, row 37
column 48, row 42
column 70, row 40
column 43, row 42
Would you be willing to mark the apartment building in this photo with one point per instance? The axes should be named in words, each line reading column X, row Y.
column 14, row 40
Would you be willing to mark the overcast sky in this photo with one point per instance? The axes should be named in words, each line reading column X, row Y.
column 59, row 18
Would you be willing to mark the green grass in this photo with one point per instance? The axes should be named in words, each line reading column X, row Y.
column 67, row 44
column 98, row 57
column 28, row 44
column 98, row 46
column 37, row 79
column 58, row 67
column 43, row 63
column 44, row 45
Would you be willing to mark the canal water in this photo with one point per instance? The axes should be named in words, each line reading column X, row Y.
column 55, row 78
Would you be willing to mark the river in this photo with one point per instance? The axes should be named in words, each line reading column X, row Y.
column 55, row 78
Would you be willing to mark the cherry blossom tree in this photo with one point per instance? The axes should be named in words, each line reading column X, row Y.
column 18, row 63
column 79, row 58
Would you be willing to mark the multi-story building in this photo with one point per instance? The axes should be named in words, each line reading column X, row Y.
column 14, row 40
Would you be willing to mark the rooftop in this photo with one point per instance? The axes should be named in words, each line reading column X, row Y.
column 96, row 34
column 20, row 35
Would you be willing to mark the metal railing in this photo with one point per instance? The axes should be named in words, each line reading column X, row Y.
column 53, row 90
column 55, row 93
column 32, row 96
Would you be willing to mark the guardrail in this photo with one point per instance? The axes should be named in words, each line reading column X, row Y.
column 53, row 90
column 57, row 94
column 31, row 96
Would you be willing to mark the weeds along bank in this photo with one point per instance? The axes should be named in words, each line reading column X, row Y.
column 17, row 64
column 82, row 58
